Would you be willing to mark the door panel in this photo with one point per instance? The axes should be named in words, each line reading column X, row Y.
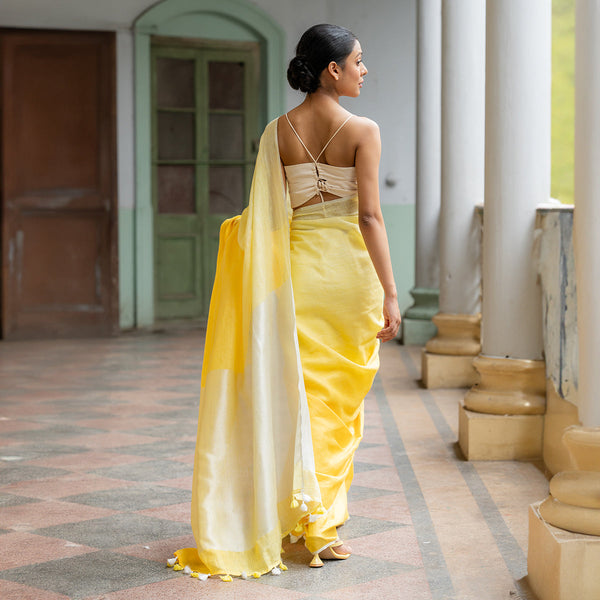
column 205, row 115
column 58, row 184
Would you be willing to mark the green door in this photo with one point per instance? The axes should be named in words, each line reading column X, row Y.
column 204, row 131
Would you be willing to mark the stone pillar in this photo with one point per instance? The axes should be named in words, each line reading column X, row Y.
column 448, row 357
column 564, row 530
column 417, row 327
column 502, row 414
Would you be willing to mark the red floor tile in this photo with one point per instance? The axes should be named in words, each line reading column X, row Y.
column 25, row 517
column 21, row 548
column 66, row 485
column 16, row 591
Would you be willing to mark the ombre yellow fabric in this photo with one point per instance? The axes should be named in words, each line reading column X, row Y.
column 291, row 347
column 254, row 474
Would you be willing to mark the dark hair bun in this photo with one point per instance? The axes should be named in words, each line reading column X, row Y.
column 301, row 77
column 318, row 46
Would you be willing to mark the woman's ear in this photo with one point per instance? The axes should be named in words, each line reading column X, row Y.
column 334, row 70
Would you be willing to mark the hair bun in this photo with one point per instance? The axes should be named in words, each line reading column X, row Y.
column 300, row 76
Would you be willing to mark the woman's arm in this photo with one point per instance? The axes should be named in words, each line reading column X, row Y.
column 371, row 223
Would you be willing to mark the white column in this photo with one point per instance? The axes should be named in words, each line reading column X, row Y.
column 517, row 172
column 502, row 415
column 448, row 357
column 462, row 176
column 587, row 206
column 429, row 81
column 417, row 327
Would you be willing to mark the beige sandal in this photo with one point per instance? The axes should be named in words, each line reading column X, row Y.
column 317, row 562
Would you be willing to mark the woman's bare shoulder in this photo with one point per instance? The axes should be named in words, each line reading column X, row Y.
column 366, row 129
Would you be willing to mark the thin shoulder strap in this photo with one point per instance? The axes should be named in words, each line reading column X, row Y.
column 325, row 146
column 331, row 138
column 300, row 139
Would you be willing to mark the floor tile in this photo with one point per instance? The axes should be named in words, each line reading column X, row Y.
column 15, row 473
column 116, row 531
column 159, row 449
column 95, row 573
column 389, row 507
column 357, row 527
column 87, row 460
column 59, row 487
column 149, row 470
column 173, row 512
column 333, row 575
column 184, row 587
column 23, row 548
column 411, row 585
column 26, row 517
column 134, row 498
column 9, row 590
column 13, row 500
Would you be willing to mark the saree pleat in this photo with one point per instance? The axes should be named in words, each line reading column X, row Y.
column 338, row 302
column 290, row 347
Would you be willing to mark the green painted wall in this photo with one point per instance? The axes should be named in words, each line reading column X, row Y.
column 563, row 99
column 400, row 225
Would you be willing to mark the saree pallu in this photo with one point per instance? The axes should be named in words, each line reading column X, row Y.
column 254, row 474
column 338, row 300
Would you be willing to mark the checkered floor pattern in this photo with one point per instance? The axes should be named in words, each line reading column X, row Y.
column 96, row 453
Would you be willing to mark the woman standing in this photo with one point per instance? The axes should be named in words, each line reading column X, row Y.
column 303, row 294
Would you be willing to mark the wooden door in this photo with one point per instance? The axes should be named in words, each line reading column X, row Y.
column 205, row 120
column 57, row 184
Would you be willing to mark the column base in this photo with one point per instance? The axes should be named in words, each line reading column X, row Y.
column 560, row 414
column 562, row 565
column 417, row 327
column 445, row 371
column 499, row 437
column 416, row 332
column 508, row 386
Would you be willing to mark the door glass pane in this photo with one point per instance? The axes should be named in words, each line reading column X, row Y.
column 175, row 83
column 175, row 135
column 226, row 136
column 226, row 85
column 226, row 195
column 176, row 190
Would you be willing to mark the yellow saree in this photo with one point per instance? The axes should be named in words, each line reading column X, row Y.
column 255, row 478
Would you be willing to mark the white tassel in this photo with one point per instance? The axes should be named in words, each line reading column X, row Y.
column 187, row 570
column 276, row 571
column 202, row 576
column 306, row 498
column 294, row 538
column 244, row 575
column 303, row 507
column 171, row 562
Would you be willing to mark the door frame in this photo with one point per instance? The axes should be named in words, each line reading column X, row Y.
column 229, row 20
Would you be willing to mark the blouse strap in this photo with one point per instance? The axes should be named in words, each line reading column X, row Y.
column 331, row 138
column 300, row 139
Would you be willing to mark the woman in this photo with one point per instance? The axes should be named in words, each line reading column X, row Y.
column 294, row 328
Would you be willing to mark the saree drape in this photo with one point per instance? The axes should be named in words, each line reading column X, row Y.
column 254, row 473
column 290, row 347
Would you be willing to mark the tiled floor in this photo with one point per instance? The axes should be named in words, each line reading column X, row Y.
column 96, row 449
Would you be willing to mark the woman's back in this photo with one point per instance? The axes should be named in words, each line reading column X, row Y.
column 315, row 127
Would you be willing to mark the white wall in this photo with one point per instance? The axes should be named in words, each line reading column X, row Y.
column 386, row 29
